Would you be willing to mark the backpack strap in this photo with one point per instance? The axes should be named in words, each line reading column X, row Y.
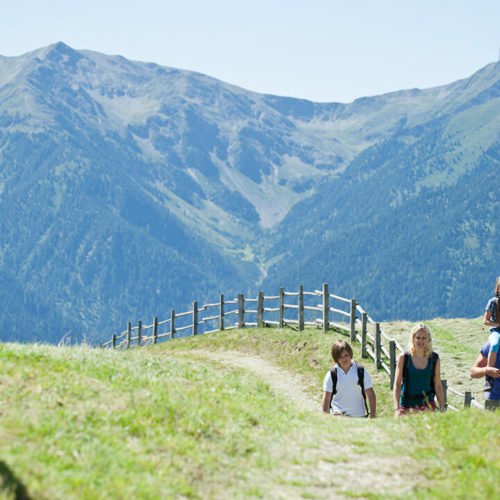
column 333, row 374
column 361, row 383
column 434, row 359
column 406, row 362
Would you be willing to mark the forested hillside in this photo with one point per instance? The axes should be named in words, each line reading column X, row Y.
column 420, row 246
column 128, row 189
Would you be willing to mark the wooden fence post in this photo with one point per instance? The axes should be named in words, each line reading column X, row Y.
column 364, row 331
column 129, row 333
column 172, row 324
column 378, row 346
column 491, row 404
column 113, row 339
column 221, row 312
column 392, row 361
column 467, row 399
column 139, row 333
column 444, row 383
column 155, row 330
column 281, row 321
column 301, row 308
column 353, row 320
column 260, row 310
column 195, row 318
column 326, row 307
column 241, row 310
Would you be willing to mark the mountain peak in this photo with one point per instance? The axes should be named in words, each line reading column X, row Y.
column 61, row 47
column 166, row 171
column 60, row 52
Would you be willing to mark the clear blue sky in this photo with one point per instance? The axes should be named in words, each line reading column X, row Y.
column 323, row 50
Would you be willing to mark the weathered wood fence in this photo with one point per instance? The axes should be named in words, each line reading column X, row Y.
column 299, row 309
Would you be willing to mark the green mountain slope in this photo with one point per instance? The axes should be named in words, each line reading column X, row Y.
column 128, row 189
column 410, row 227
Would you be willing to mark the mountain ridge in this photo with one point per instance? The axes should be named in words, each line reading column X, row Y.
column 118, row 174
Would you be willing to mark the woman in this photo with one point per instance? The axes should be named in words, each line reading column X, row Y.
column 492, row 319
column 418, row 375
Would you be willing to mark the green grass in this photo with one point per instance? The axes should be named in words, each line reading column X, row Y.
column 167, row 421
column 459, row 452
column 93, row 423
column 306, row 353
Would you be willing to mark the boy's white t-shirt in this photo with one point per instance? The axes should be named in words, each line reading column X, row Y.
column 348, row 399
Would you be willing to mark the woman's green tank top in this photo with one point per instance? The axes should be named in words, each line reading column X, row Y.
column 417, row 383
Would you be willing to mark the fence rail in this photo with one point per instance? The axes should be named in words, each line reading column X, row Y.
column 341, row 313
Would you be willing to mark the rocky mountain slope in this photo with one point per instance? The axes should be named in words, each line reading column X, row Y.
column 127, row 188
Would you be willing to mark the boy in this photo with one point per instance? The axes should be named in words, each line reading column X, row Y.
column 347, row 397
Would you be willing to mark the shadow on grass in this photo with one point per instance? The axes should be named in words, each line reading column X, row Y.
column 10, row 483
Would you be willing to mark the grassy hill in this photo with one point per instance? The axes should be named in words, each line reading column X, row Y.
column 212, row 417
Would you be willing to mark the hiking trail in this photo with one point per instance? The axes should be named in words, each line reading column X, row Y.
column 347, row 452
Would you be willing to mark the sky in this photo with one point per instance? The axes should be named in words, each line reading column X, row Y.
column 321, row 50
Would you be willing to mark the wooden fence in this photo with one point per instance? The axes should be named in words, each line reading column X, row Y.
column 299, row 309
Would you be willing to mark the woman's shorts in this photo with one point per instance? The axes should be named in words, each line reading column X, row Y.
column 404, row 410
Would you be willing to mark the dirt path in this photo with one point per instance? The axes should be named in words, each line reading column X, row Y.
column 280, row 380
column 339, row 455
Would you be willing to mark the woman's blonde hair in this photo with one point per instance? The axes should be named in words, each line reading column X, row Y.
column 411, row 344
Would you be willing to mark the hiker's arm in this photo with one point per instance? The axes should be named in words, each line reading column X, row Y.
column 327, row 398
column 438, row 386
column 480, row 370
column 372, row 400
column 487, row 320
column 398, row 380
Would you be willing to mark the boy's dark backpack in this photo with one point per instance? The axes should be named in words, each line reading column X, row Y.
column 361, row 383
column 434, row 359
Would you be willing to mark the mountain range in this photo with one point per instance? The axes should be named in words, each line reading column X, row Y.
column 128, row 188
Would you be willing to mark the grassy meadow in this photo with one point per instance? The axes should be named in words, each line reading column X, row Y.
column 176, row 420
